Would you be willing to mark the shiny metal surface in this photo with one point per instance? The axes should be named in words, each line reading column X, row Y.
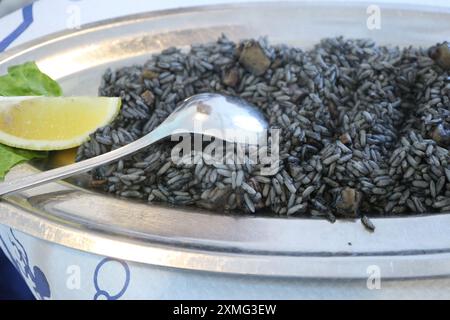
column 226, row 118
column 188, row 238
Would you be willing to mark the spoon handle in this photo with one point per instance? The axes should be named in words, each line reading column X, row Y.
column 79, row 167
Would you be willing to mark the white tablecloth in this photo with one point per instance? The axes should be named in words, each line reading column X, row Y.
column 47, row 16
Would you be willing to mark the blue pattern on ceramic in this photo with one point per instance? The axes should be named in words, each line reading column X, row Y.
column 27, row 16
column 103, row 293
column 41, row 287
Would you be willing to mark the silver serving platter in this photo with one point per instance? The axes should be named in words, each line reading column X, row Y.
column 189, row 238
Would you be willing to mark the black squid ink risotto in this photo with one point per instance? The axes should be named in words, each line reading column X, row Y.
column 364, row 128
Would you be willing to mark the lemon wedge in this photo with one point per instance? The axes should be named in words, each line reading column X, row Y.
column 53, row 123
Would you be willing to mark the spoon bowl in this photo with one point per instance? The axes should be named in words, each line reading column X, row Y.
column 224, row 117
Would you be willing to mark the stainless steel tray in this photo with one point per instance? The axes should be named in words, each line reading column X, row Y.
column 403, row 247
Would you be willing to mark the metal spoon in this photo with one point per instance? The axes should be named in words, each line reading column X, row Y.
column 223, row 117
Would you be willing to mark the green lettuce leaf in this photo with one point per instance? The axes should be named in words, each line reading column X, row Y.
column 9, row 157
column 27, row 80
column 24, row 80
